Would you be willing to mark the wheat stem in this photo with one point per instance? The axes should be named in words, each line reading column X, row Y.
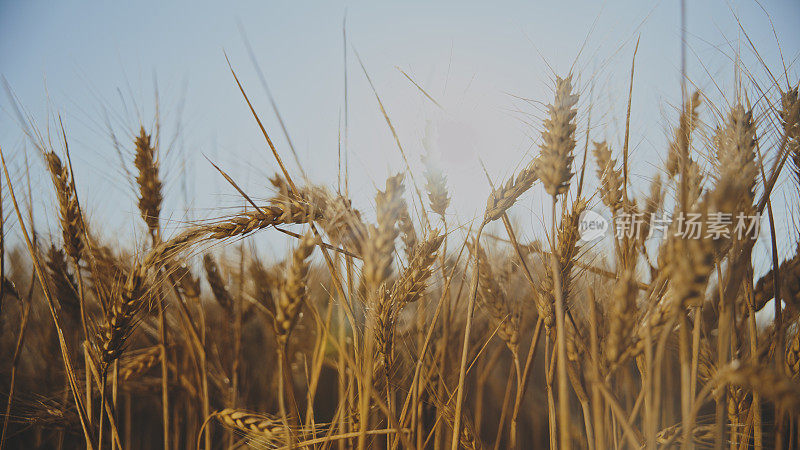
column 470, row 311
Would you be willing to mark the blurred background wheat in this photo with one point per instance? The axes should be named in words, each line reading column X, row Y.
column 398, row 260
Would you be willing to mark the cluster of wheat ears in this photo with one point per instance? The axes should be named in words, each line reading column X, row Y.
column 438, row 339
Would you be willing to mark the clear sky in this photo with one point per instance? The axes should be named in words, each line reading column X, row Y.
column 98, row 64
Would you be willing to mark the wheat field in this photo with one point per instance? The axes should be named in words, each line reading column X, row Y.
column 409, row 328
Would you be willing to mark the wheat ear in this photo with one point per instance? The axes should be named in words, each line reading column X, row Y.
column 790, row 122
column 217, row 284
column 257, row 424
column 493, row 298
column 293, row 291
column 554, row 166
column 150, row 198
column 610, row 177
column 736, row 163
column 436, row 186
column 622, row 316
column 686, row 125
column 504, row 197
column 71, row 221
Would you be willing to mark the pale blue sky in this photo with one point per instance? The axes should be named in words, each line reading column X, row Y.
column 98, row 59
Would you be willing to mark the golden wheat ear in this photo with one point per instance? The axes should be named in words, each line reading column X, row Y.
column 493, row 297
column 258, row 424
column 622, row 316
column 408, row 288
column 135, row 365
column 411, row 284
column 554, row 165
column 610, row 177
column 687, row 123
column 789, row 117
column 379, row 253
column 385, row 325
column 407, row 232
column 65, row 289
column 436, row 186
column 293, row 290
column 504, row 197
column 69, row 210
column 793, row 355
column 217, row 284
column 150, row 197
column 265, row 281
column 735, row 163
column 120, row 320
